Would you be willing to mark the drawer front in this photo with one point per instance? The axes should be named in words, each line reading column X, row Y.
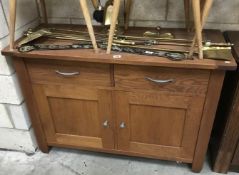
column 56, row 72
column 164, row 79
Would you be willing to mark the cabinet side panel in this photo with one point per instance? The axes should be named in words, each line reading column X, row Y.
column 30, row 101
column 210, row 107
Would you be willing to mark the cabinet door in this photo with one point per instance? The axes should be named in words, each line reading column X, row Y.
column 158, row 124
column 75, row 116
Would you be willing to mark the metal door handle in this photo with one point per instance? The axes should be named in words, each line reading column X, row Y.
column 67, row 74
column 105, row 124
column 122, row 125
column 160, row 81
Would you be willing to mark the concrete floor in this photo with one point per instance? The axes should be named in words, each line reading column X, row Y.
column 75, row 162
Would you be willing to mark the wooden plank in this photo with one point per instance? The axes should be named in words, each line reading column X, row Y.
column 210, row 107
column 31, row 103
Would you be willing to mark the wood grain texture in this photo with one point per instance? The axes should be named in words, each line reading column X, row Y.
column 235, row 160
column 209, row 112
column 89, row 74
column 75, row 116
column 27, row 90
column 166, row 127
column 185, row 81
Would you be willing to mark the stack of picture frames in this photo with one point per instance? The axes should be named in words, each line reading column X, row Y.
column 200, row 10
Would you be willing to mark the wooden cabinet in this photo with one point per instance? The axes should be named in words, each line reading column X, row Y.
column 134, row 110
column 131, row 105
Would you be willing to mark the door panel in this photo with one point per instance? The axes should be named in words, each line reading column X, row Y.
column 65, row 114
column 158, row 124
column 74, row 116
column 173, row 124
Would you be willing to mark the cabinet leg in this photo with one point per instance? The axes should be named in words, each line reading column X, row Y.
column 44, row 149
column 12, row 17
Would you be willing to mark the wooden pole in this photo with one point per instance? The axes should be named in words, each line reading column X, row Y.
column 114, row 18
column 198, row 26
column 43, row 9
column 127, row 13
column 205, row 13
column 87, row 17
column 12, row 17
column 95, row 3
column 187, row 14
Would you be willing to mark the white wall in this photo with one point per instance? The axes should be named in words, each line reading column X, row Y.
column 166, row 13
column 15, row 126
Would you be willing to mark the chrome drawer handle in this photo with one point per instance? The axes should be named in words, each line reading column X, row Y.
column 122, row 125
column 68, row 74
column 106, row 124
column 160, row 81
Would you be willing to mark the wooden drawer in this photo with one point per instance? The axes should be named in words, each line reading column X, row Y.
column 58, row 72
column 164, row 79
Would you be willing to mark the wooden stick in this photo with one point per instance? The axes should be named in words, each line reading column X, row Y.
column 187, row 14
column 95, row 3
column 12, row 17
column 127, row 13
column 205, row 13
column 198, row 26
column 43, row 9
column 87, row 17
column 114, row 18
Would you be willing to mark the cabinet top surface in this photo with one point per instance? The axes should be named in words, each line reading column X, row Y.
column 88, row 55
